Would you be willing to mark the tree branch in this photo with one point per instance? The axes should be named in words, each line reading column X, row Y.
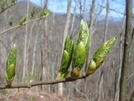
column 8, row 7
column 111, row 9
column 17, row 26
column 29, row 85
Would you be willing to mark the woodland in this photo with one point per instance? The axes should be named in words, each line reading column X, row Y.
column 40, row 43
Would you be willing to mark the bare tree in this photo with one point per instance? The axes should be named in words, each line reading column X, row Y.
column 72, row 26
column 45, row 49
column 91, row 23
column 106, row 21
column 91, row 31
column 120, row 58
column 45, row 57
column 60, row 86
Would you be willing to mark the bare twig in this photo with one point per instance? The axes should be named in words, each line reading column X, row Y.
column 114, row 10
column 17, row 26
column 111, row 9
column 29, row 85
column 8, row 7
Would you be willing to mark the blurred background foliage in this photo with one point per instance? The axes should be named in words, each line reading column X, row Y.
column 40, row 45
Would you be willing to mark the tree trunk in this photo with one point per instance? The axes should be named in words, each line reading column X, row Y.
column 132, row 97
column 72, row 25
column 120, row 60
column 90, row 29
column 45, row 4
column 60, row 85
column 91, row 33
column 127, row 42
column 106, row 21
column 25, row 47
column 45, row 50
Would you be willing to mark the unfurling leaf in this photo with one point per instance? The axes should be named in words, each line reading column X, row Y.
column 31, row 77
column 80, row 50
column 66, row 58
column 24, row 80
column 14, row 1
column 11, row 21
column 44, row 13
column 23, row 20
column 100, row 55
column 6, row 92
column 32, row 13
column 10, row 66
column 35, row 74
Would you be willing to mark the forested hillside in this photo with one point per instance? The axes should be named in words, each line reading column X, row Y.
column 40, row 45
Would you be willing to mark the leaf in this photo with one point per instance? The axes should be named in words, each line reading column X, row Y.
column 75, row 73
column 6, row 92
column 79, row 56
column 11, row 20
column 32, row 12
column 99, row 56
column 64, row 61
column 83, row 34
column 102, row 51
column 12, row 57
column 44, row 13
column 10, row 65
column 31, row 77
column 14, row 1
column 66, row 58
column 24, row 80
column 11, row 72
column 23, row 20
column 35, row 74
column 80, row 50
column 92, row 65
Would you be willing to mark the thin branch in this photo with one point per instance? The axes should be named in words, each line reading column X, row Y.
column 17, row 26
column 111, row 9
column 8, row 7
column 114, row 10
column 119, row 29
column 29, row 85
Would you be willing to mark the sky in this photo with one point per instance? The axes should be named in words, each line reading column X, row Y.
column 60, row 6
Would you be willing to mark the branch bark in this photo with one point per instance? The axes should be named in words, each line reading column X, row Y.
column 29, row 85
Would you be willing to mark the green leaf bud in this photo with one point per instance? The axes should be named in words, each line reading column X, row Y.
column 32, row 12
column 10, row 65
column 80, row 50
column 66, row 58
column 99, row 56
column 11, row 20
column 23, row 20
column 102, row 51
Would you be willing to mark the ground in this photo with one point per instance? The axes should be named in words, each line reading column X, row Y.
column 32, row 95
